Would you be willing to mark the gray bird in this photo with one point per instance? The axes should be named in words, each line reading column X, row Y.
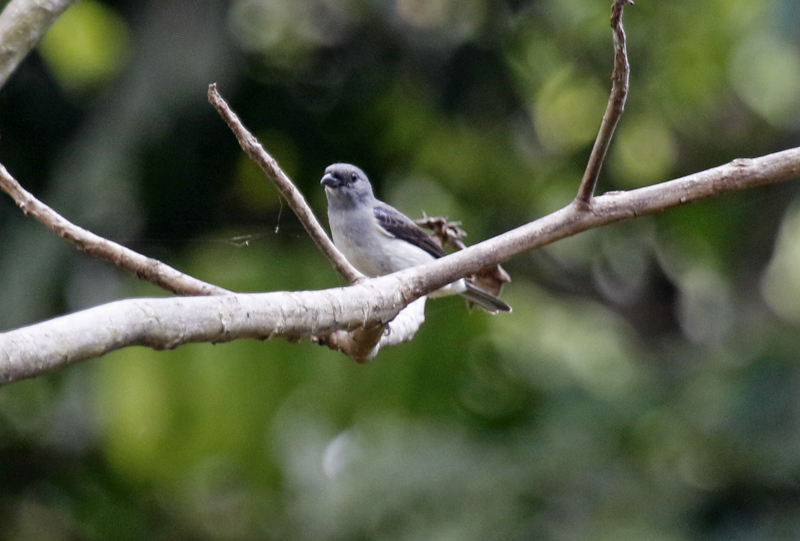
column 378, row 239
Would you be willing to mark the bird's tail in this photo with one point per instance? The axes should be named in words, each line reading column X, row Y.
column 485, row 300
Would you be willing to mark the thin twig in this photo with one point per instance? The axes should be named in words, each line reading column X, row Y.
column 287, row 189
column 152, row 270
column 616, row 105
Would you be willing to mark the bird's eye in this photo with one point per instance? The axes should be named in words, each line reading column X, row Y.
column 353, row 177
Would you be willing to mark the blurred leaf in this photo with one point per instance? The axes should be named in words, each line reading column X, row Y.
column 766, row 74
column 86, row 47
column 567, row 111
column 644, row 152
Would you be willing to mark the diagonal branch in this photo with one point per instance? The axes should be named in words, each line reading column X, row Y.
column 287, row 189
column 614, row 109
column 152, row 270
column 740, row 174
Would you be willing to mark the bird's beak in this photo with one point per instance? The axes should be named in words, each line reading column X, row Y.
column 330, row 181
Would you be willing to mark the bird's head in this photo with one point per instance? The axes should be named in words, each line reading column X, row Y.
column 345, row 183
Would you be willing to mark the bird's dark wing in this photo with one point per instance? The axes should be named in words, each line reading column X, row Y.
column 398, row 225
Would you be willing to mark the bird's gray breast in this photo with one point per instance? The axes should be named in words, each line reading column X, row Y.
column 368, row 247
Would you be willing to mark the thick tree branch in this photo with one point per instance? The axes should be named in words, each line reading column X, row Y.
column 152, row 270
column 287, row 189
column 614, row 109
column 166, row 323
column 22, row 24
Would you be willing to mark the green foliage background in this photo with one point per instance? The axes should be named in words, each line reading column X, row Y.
column 645, row 386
